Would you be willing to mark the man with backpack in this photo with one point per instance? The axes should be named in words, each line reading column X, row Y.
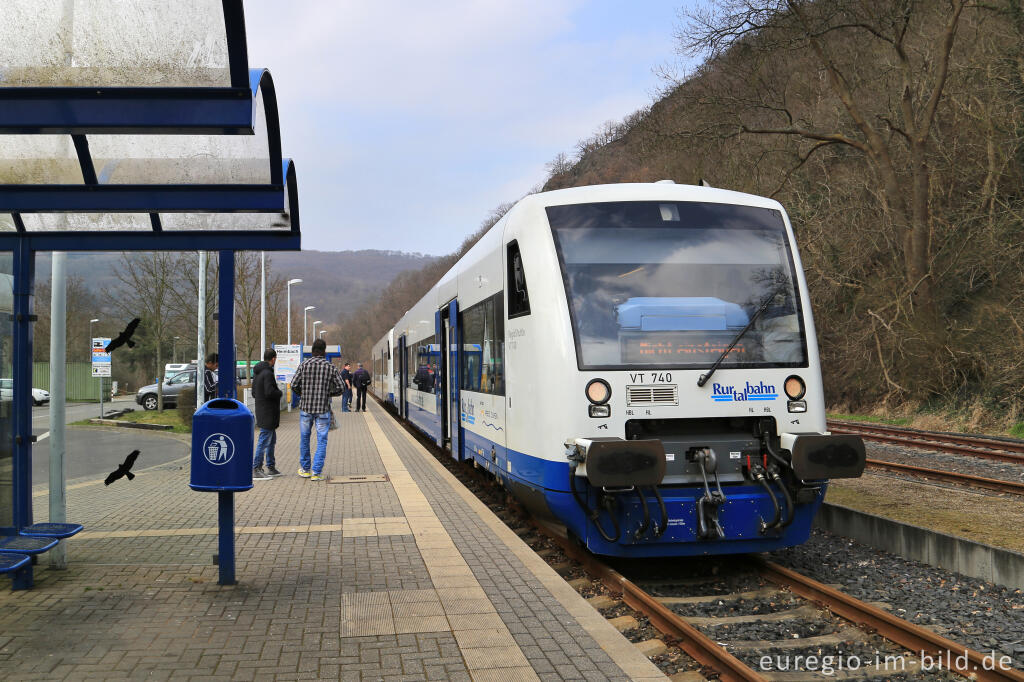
column 315, row 381
column 361, row 380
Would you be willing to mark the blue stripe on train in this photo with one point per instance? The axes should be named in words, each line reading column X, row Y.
column 740, row 516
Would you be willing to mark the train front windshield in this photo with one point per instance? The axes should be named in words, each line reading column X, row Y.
column 671, row 284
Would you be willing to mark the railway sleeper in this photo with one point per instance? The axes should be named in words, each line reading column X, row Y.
column 715, row 598
column 834, row 639
column 806, row 611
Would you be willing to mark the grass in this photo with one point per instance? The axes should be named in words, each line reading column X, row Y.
column 168, row 417
column 874, row 419
column 1018, row 430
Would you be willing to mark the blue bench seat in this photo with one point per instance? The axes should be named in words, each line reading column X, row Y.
column 51, row 530
column 12, row 562
column 17, row 544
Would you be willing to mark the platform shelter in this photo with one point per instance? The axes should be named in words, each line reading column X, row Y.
column 127, row 127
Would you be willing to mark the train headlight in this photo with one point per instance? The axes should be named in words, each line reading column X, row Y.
column 794, row 387
column 600, row 410
column 598, row 391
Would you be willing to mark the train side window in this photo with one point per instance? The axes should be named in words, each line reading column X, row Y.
column 518, row 297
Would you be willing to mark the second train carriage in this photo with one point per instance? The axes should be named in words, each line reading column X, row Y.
column 637, row 361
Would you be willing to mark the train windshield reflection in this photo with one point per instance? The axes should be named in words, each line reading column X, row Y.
column 671, row 284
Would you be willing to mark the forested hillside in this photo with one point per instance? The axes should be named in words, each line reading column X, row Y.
column 893, row 132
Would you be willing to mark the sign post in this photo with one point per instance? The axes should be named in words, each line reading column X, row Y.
column 100, row 364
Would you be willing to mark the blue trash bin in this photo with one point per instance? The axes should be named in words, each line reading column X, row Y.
column 222, row 434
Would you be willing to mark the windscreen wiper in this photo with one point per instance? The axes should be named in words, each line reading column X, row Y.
column 721, row 358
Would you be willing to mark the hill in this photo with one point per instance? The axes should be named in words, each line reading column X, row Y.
column 334, row 281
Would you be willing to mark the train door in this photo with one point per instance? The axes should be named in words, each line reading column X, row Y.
column 403, row 408
column 454, row 339
column 440, row 330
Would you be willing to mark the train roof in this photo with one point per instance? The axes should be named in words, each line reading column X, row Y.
column 647, row 191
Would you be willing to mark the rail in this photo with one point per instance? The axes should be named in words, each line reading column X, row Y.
column 1006, row 450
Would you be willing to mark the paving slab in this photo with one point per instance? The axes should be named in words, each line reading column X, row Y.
column 396, row 571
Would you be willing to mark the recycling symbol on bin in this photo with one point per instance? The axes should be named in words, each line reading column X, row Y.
column 218, row 449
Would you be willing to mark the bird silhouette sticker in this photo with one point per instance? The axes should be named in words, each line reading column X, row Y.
column 124, row 337
column 124, row 469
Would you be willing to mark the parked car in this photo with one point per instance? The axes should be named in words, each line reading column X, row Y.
column 39, row 396
column 146, row 396
column 172, row 368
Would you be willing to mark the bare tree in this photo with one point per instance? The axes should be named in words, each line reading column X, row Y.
column 147, row 281
column 894, row 134
column 247, row 303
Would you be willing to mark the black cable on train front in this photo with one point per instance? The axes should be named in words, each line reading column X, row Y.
column 663, row 526
column 646, row 523
column 790, row 505
column 593, row 514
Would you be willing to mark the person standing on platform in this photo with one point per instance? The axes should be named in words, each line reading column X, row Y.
column 315, row 381
column 361, row 379
column 210, row 378
column 267, row 397
column 346, row 395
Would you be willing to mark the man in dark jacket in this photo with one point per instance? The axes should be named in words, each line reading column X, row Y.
column 267, row 397
column 210, row 378
column 346, row 393
column 361, row 379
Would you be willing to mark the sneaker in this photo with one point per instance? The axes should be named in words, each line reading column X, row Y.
column 304, row 473
column 259, row 475
column 317, row 477
column 272, row 471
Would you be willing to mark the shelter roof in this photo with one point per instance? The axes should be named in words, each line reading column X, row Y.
column 139, row 125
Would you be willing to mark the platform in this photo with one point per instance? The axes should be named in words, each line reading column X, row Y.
column 410, row 577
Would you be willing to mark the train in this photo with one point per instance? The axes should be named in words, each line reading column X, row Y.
column 636, row 362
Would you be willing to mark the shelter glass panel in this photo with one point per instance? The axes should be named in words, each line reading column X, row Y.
column 113, row 43
column 39, row 160
column 184, row 159
column 87, row 222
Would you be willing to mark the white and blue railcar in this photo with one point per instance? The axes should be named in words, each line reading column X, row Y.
column 637, row 361
column 383, row 384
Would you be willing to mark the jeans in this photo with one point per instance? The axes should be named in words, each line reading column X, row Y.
column 323, row 421
column 265, row 443
column 346, row 401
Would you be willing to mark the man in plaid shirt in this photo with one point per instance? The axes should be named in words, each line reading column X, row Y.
column 315, row 381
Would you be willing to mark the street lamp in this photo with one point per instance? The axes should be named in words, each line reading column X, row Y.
column 90, row 338
column 304, row 312
column 322, row 332
column 174, row 349
column 289, row 288
column 314, row 327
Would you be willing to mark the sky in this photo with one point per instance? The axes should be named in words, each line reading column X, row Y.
column 410, row 121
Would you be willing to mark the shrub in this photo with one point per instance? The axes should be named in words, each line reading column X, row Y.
column 186, row 405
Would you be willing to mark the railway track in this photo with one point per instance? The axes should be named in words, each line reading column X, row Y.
column 995, row 484
column 864, row 617
column 1005, row 450
column 717, row 660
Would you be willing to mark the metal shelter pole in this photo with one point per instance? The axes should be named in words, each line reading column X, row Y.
column 21, row 399
column 58, row 400
column 263, row 303
column 201, row 327
column 226, row 389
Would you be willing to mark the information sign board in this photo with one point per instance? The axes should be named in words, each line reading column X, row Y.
column 100, row 358
column 288, row 359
